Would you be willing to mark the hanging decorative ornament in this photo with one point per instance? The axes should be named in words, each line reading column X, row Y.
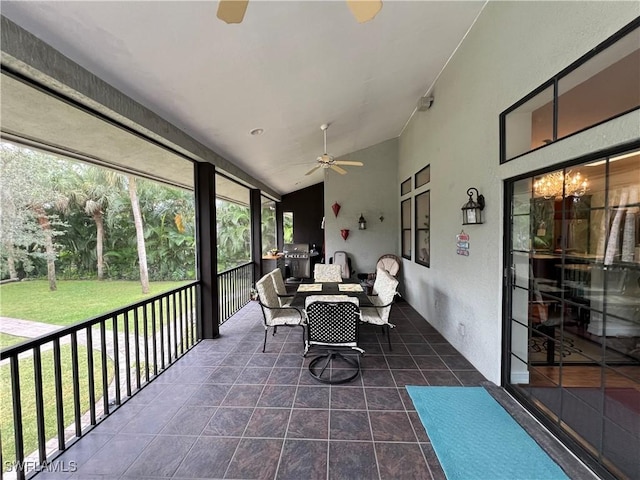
column 336, row 208
column 344, row 233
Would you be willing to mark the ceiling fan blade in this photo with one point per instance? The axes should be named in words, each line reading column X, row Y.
column 341, row 171
column 348, row 162
column 364, row 10
column 232, row 11
column 313, row 170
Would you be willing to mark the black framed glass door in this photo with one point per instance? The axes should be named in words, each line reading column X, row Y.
column 573, row 305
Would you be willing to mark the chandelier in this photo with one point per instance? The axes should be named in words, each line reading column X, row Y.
column 556, row 184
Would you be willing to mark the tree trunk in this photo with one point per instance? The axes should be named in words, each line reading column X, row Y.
column 48, row 246
column 9, row 246
column 11, row 261
column 142, row 251
column 99, row 220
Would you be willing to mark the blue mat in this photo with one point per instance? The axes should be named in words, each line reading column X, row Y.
column 475, row 438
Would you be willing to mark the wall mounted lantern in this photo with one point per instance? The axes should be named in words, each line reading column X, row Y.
column 362, row 223
column 472, row 210
column 336, row 208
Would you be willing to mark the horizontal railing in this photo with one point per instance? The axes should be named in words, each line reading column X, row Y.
column 64, row 383
column 234, row 290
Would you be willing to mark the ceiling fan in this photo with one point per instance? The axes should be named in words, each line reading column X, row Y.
column 327, row 161
column 232, row 11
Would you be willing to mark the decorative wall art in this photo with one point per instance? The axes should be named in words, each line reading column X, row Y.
column 462, row 244
column 336, row 208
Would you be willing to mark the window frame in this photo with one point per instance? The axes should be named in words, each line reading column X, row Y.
column 405, row 229
column 419, row 232
column 553, row 81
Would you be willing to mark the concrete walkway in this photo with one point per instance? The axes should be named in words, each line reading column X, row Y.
column 25, row 328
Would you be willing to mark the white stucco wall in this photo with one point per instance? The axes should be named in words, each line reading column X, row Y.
column 513, row 48
column 371, row 190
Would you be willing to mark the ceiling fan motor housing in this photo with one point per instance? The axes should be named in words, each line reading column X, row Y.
column 325, row 158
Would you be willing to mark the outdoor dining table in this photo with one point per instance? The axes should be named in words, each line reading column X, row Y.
column 330, row 288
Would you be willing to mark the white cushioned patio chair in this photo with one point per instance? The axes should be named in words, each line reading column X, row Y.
column 275, row 315
column 389, row 262
column 385, row 288
column 332, row 329
column 342, row 259
column 323, row 272
column 284, row 298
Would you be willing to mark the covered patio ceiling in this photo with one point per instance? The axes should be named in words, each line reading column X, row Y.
column 287, row 68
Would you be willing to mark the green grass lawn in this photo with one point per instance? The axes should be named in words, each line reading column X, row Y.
column 75, row 300
column 7, row 340
column 28, row 396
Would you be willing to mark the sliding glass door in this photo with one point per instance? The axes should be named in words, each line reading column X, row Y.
column 573, row 305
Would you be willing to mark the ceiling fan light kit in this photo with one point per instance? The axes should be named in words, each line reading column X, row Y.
column 232, row 11
column 364, row 10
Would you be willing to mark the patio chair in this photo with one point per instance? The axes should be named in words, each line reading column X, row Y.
column 342, row 259
column 323, row 272
column 389, row 262
column 284, row 298
column 332, row 328
column 385, row 287
column 275, row 315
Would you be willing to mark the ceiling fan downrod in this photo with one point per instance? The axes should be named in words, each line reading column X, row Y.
column 324, row 127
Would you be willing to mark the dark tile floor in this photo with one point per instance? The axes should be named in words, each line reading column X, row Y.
column 227, row 410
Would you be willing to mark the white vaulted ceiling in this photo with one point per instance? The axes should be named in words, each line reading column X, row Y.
column 289, row 67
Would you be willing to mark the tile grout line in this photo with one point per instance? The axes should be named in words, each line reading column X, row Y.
column 286, row 430
column 373, row 439
column 252, row 413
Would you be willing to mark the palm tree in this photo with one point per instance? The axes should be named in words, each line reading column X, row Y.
column 93, row 189
column 50, row 251
column 137, row 219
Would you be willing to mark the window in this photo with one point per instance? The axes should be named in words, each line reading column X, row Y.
column 405, row 187
column 287, row 220
column 601, row 85
column 405, row 208
column 530, row 125
column 423, row 176
column 423, row 223
column 605, row 86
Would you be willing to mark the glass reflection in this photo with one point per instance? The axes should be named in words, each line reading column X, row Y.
column 575, row 277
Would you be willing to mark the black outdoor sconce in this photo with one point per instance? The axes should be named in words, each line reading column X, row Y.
column 362, row 223
column 472, row 210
